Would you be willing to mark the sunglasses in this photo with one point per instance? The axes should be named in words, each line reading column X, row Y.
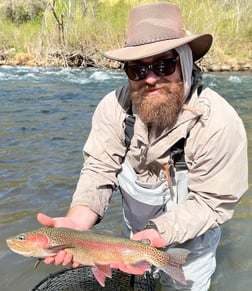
column 161, row 68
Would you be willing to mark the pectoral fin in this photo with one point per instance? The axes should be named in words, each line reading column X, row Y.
column 37, row 263
column 58, row 248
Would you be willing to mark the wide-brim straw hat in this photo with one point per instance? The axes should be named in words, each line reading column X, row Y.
column 154, row 29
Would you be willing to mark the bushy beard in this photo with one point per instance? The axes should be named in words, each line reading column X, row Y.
column 159, row 110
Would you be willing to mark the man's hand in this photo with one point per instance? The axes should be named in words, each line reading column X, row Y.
column 78, row 218
column 61, row 258
column 57, row 221
column 152, row 235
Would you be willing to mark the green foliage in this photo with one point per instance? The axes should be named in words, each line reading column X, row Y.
column 114, row 15
column 22, row 11
column 23, row 39
column 76, row 24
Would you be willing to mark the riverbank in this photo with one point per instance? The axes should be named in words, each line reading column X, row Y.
column 34, row 33
column 95, row 59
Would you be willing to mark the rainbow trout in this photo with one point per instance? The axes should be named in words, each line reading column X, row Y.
column 100, row 252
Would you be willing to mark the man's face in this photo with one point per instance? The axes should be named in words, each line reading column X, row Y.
column 158, row 99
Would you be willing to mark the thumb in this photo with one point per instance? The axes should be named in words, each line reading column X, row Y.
column 152, row 235
column 45, row 219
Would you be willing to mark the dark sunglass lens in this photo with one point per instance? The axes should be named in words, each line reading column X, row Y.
column 164, row 67
column 142, row 72
column 137, row 72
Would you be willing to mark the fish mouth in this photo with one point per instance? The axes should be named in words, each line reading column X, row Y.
column 20, row 249
column 27, row 250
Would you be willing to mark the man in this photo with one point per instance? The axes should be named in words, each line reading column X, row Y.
column 176, row 149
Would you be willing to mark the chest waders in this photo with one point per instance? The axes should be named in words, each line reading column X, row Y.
column 145, row 201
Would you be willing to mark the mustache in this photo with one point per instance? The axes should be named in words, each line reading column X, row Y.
column 167, row 87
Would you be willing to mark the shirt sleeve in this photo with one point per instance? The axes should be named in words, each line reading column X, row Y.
column 103, row 152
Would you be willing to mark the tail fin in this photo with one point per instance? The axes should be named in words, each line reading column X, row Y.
column 175, row 272
column 177, row 258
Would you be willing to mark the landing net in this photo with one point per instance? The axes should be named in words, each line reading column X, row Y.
column 75, row 279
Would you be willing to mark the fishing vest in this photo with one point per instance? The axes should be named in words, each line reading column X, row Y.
column 142, row 202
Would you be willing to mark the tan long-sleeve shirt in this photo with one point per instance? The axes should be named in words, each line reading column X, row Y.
column 215, row 154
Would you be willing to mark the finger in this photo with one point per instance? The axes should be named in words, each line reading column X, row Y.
column 59, row 258
column 76, row 265
column 158, row 242
column 152, row 235
column 49, row 260
column 138, row 236
column 45, row 220
column 67, row 259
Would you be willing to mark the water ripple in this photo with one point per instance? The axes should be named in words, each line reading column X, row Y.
column 45, row 118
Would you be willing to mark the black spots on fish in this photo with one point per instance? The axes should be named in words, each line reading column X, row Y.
column 56, row 235
column 178, row 255
column 171, row 263
column 160, row 257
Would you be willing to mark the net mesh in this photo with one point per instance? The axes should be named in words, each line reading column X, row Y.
column 81, row 278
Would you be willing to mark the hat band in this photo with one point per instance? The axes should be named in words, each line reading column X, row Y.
column 143, row 42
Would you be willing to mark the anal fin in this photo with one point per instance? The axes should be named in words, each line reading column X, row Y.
column 101, row 272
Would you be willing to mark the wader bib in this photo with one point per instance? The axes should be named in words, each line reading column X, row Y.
column 144, row 201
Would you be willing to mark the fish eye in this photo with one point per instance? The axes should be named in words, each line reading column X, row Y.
column 21, row 236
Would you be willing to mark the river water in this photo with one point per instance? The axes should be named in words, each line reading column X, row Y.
column 45, row 118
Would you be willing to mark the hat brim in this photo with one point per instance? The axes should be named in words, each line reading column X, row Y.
column 200, row 45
